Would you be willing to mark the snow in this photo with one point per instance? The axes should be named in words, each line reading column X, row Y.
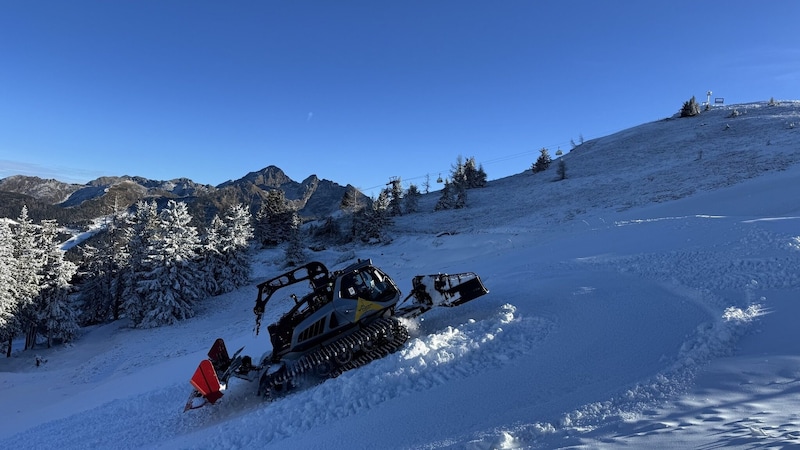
column 649, row 300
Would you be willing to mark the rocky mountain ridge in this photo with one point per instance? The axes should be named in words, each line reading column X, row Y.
column 71, row 203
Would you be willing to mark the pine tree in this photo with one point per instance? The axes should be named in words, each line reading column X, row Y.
column 460, row 189
column 411, row 199
column 224, row 254
column 351, row 205
column 690, row 108
column 329, row 231
column 543, row 162
column 95, row 294
column 26, row 277
column 119, row 258
column 375, row 220
column 239, row 230
column 101, row 294
column 395, row 197
column 351, row 200
column 140, row 236
column 237, row 236
column 8, row 291
column 273, row 221
column 361, row 223
column 561, row 170
column 211, row 259
column 383, row 204
column 474, row 174
column 56, row 315
column 295, row 254
column 447, row 198
column 459, row 185
column 171, row 283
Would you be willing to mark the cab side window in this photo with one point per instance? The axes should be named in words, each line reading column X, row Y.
column 349, row 287
column 366, row 285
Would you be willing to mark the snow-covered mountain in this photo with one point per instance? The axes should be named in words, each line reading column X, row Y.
column 76, row 204
column 648, row 300
column 49, row 191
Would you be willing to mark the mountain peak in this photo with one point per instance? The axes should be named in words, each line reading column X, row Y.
column 268, row 177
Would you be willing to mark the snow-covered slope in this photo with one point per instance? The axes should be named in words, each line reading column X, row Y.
column 647, row 300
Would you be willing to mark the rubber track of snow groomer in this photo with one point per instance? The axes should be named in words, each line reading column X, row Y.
column 375, row 341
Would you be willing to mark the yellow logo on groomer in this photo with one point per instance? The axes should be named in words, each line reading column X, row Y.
column 365, row 306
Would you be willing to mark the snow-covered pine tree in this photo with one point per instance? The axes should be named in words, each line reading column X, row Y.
column 27, row 276
column 140, row 235
column 237, row 236
column 8, row 291
column 95, row 295
column 100, row 295
column 239, row 227
column 261, row 225
column 56, row 316
column 172, row 282
column 378, row 219
column 411, row 199
column 295, row 253
column 119, row 257
column 210, row 258
column 225, row 259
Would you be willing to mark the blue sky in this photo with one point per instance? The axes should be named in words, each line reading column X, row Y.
column 360, row 91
